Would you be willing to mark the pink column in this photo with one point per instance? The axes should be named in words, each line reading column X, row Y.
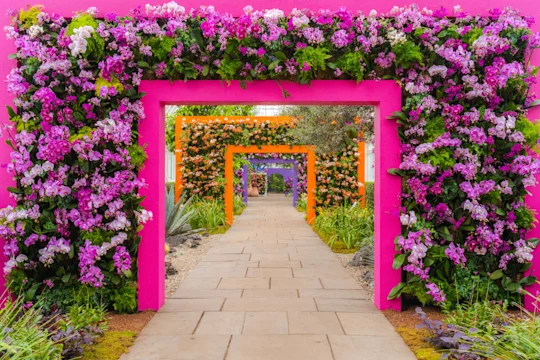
column 151, row 257
column 387, row 192
column 534, row 199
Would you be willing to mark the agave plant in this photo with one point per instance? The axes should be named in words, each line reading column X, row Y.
column 178, row 217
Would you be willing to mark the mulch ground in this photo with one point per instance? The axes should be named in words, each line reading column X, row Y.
column 408, row 317
column 129, row 322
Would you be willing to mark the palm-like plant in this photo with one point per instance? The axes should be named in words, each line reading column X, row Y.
column 178, row 217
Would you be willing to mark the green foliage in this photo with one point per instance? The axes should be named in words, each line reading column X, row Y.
column 228, row 68
column 525, row 217
column 113, row 83
column 238, row 205
column 179, row 216
column 124, row 299
column 478, row 314
column 79, row 21
column 370, row 194
column 276, row 183
column 161, row 46
column 351, row 225
column 22, row 335
column 30, row 17
column 301, row 204
column 352, row 64
column 330, row 128
column 407, row 54
column 64, row 297
column 200, row 110
column 434, row 128
column 315, row 58
column 530, row 130
column 472, row 35
column 110, row 346
column 207, row 214
column 81, row 316
column 138, row 155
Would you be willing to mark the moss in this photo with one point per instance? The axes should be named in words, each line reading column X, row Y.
column 219, row 230
column 110, row 346
column 415, row 339
column 138, row 155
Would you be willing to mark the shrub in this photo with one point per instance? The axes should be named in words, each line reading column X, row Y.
column 301, row 204
column 351, row 225
column 124, row 300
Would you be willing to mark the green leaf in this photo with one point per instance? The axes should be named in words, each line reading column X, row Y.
column 11, row 112
column 533, row 242
column 500, row 212
column 143, row 64
column 115, row 280
column 496, row 275
column 396, row 291
column 66, row 278
column 12, row 56
column 399, row 259
column 281, row 56
column 468, row 227
column 14, row 190
column 31, row 293
column 273, row 64
column 526, row 281
column 206, row 69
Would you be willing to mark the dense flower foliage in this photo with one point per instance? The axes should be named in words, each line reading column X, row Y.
column 337, row 177
column 466, row 140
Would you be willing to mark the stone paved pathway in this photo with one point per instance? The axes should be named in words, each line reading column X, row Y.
column 269, row 290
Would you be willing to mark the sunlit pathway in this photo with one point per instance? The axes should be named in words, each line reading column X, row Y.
column 270, row 289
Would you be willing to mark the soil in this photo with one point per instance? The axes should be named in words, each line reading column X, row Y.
column 408, row 317
column 129, row 322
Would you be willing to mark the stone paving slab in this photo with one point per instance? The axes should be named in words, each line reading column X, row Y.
column 269, row 290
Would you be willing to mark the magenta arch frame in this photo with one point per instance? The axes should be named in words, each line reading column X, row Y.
column 67, row 9
column 385, row 96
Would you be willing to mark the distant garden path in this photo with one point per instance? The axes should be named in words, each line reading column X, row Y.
column 270, row 289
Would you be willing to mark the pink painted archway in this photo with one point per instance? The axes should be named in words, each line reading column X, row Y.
column 153, row 127
column 384, row 95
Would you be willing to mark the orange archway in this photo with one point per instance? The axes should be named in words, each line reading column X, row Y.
column 310, row 150
column 282, row 149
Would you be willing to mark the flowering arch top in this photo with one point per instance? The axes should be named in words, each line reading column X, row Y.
column 465, row 134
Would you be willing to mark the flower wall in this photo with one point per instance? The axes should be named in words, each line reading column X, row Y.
column 466, row 139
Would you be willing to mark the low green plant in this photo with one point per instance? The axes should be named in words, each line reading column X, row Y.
column 207, row 214
column 124, row 299
column 179, row 216
column 111, row 346
column 23, row 335
column 276, row 183
column 238, row 205
column 351, row 226
column 370, row 194
column 301, row 204
column 82, row 316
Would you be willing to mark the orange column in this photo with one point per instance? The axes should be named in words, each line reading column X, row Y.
column 178, row 183
column 311, row 186
column 229, row 188
column 362, row 172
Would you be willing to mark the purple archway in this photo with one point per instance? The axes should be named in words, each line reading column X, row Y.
column 286, row 173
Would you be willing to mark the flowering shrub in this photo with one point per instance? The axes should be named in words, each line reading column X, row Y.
column 465, row 135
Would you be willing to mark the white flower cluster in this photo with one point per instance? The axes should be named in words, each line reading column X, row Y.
column 170, row 9
column 408, row 219
column 273, row 15
column 78, row 40
column 395, row 37
column 35, row 31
